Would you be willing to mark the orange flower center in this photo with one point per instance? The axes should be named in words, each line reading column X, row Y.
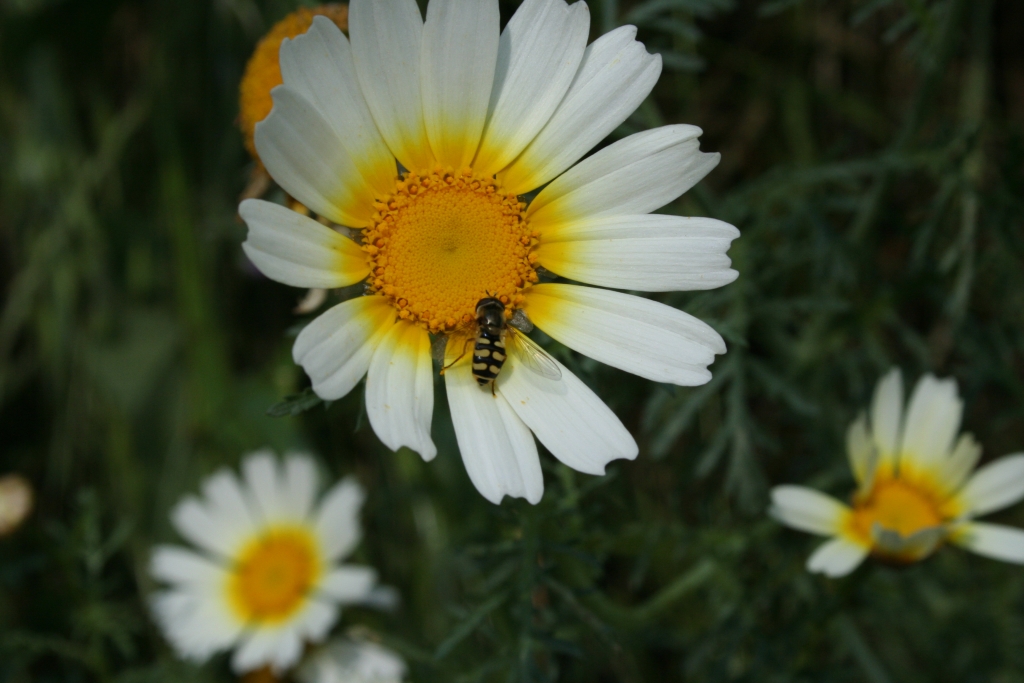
column 895, row 505
column 274, row 575
column 445, row 240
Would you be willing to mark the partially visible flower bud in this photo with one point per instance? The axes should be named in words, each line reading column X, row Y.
column 263, row 72
column 15, row 502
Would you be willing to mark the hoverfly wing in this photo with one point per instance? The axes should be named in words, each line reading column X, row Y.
column 520, row 321
column 533, row 356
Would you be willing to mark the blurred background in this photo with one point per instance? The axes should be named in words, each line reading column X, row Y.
column 873, row 158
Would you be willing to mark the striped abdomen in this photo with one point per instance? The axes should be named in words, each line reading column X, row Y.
column 488, row 355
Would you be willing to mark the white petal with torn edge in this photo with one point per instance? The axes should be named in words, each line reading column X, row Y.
column 497, row 448
column 566, row 416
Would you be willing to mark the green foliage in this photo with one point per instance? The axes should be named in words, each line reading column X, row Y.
column 872, row 156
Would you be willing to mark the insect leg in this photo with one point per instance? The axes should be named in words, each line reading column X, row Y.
column 461, row 355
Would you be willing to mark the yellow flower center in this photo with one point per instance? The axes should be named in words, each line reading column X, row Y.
column 274, row 575
column 445, row 240
column 263, row 71
column 895, row 505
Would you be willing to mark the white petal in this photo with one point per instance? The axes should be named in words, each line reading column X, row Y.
column 318, row 65
column 637, row 335
column 615, row 76
column 336, row 348
column 538, row 56
column 460, row 48
column 497, row 449
column 262, row 477
column 196, row 622
column 837, row 557
column 316, row 620
column 177, row 565
column 649, row 253
column 306, row 157
column 337, row 521
column 861, row 452
column 995, row 486
column 280, row 648
column 400, row 390
column 386, row 42
column 933, row 420
column 348, row 584
column 960, row 464
column 566, row 416
column 299, row 488
column 887, row 418
column 298, row 251
column 808, row 510
column 220, row 522
column 991, row 540
column 635, row 175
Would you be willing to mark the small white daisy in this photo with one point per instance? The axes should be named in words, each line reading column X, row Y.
column 915, row 490
column 267, row 576
column 345, row 660
column 476, row 119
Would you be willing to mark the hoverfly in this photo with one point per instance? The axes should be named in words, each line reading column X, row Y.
column 495, row 334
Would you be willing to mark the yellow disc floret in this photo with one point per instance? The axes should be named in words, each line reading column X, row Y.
column 274, row 574
column 443, row 241
column 895, row 505
column 263, row 72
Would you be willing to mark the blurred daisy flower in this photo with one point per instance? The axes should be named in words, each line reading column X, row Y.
column 915, row 489
column 346, row 660
column 476, row 119
column 266, row 575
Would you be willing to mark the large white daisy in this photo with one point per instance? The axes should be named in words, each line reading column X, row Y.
column 478, row 119
column 915, row 490
column 266, row 576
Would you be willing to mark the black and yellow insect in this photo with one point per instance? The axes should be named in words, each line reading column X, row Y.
column 493, row 333
column 489, row 351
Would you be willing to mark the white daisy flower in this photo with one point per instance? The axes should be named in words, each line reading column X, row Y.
column 916, row 487
column 479, row 119
column 267, row 576
column 345, row 660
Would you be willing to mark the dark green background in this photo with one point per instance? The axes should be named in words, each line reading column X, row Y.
column 873, row 158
